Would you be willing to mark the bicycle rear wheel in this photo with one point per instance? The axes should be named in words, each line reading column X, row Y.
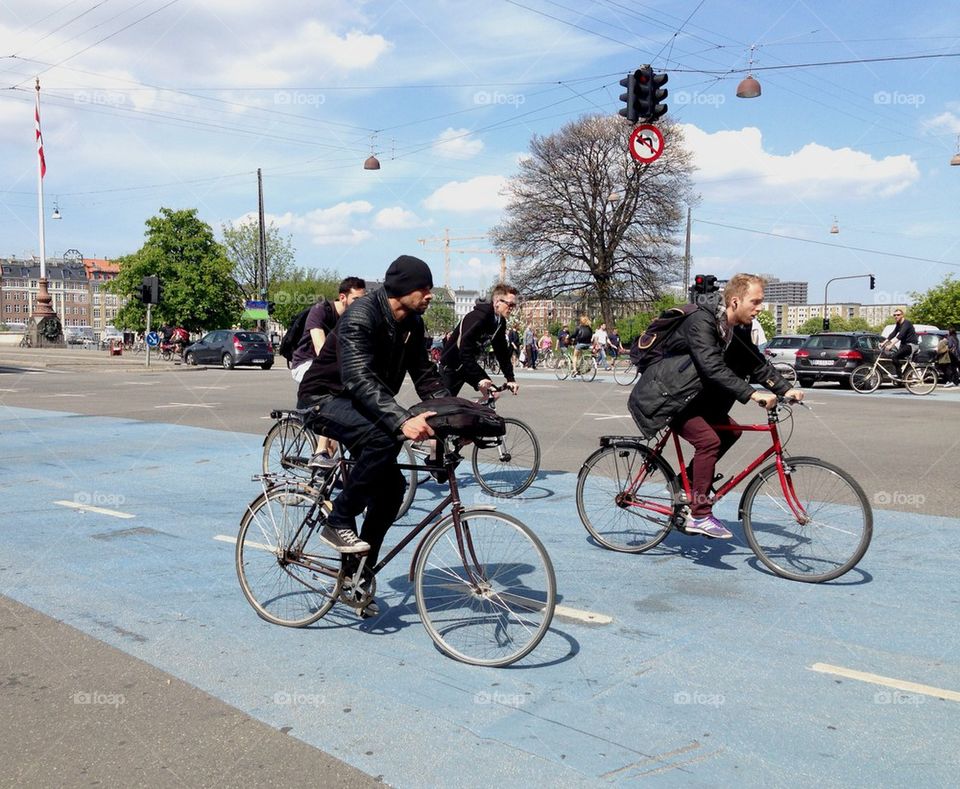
column 287, row 449
column 864, row 379
column 920, row 379
column 510, row 466
column 627, row 497
column 625, row 372
column 588, row 369
column 563, row 368
column 497, row 609
column 827, row 538
column 288, row 583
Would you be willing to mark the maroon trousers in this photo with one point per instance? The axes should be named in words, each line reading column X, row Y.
column 709, row 446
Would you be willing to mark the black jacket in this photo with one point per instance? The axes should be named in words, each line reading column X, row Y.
column 583, row 335
column 697, row 365
column 905, row 333
column 469, row 340
column 366, row 358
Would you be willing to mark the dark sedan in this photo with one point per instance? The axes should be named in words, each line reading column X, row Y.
column 832, row 356
column 231, row 348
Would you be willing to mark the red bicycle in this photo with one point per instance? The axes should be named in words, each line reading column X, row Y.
column 804, row 518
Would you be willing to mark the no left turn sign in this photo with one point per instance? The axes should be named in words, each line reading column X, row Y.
column 646, row 143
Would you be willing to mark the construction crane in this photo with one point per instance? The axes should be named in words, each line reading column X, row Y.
column 446, row 238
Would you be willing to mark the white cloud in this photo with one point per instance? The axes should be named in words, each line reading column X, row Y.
column 323, row 226
column 457, row 144
column 397, row 218
column 945, row 121
column 483, row 193
column 733, row 165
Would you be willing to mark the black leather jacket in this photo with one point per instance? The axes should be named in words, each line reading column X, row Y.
column 367, row 357
column 698, row 365
column 461, row 352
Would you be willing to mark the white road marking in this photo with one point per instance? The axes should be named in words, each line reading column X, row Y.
column 564, row 612
column 601, row 417
column 247, row 544
column 889, row 682
column 137, row 383
column 9, row 390
column 188, row 405
column 90, row 508
column 208, row 387
column 63, row 395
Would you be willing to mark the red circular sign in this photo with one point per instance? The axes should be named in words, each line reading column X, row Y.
column 646, row 143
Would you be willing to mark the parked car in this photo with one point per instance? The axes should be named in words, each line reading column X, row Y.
column 230, row 348
column 79, row 335
column 110, row 333
column 783, row 347
column 832, row 356
column 928, row 345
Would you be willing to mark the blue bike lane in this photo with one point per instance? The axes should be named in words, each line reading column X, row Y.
column 689, row 665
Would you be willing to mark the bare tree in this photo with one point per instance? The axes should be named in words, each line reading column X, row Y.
column 587, row 220
column 242, row 243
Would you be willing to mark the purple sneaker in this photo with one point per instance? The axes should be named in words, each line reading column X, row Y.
column 709, row 527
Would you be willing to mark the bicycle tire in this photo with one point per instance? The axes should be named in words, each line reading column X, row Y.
column 921, row 379
column 281, row 591
column 609, row 510
column 511, row 465
column 787, row 372
column 501, row 619
column 587, row 370
column 840, row 525
column 864, row 379
column 287, row 449
column 407, row 457
column 625, row 374
column 563, row 368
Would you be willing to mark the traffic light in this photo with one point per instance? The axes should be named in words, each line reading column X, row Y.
column 826, row 324
column 705, row 283
column 270, row 307
column 873, row 282
column 150, row 290
column 650, row 93
column 630, row 97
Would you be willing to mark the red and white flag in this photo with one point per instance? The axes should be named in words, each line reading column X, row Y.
column 43, row 162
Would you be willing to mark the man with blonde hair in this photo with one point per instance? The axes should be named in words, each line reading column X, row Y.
column 706, row 363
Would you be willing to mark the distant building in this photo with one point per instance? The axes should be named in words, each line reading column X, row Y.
column 785, row 292
column 790, row 317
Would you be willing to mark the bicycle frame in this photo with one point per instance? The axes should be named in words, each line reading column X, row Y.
column 775, row 449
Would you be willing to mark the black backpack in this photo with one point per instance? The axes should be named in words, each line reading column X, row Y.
column 457, row 416
column 291, row 339
column 648, row 347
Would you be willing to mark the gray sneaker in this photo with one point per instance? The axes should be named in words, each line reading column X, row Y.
column 343, row 540
column 322, row 460
column 708, row 527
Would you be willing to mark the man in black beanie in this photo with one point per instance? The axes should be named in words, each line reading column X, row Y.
column 353, row 384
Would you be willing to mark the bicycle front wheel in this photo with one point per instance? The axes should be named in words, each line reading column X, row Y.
column 563, row 368
column 816, row 530
column 787, row 372
column 921, row 380
column 286, row 573
column 493, row 603
column 407, row 458
column 510, row 466
column 864, row 379
column 626, row 373
column 287, row 449
column 627, row 497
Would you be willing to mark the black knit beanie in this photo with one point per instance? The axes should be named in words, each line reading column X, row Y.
column 405, row 275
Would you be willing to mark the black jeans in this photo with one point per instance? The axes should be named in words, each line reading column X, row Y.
column 451, row 380
column 903, row 352
column 374, row 481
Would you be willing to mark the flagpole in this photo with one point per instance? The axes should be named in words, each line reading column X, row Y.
column 42, row 310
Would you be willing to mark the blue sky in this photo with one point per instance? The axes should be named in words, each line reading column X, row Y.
column 158, row 103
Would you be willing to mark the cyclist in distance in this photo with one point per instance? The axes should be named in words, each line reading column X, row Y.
column 904, row 334
column 353, row 385
column 704, row 369
column 582, row 340
column 485, row 323
column 321, row 320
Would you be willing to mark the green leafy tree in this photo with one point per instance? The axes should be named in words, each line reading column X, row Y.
column 769, row 324
column 198, row 289
column 632, row 326
column 837, row 323
column 439, row 318
column 301, row 289
column 939, row 306
column 242, row 244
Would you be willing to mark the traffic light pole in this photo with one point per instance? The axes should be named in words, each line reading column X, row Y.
column 826, row 319
column 147, row 332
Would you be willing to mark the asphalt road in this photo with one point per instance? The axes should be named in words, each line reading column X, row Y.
column 902, row 449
